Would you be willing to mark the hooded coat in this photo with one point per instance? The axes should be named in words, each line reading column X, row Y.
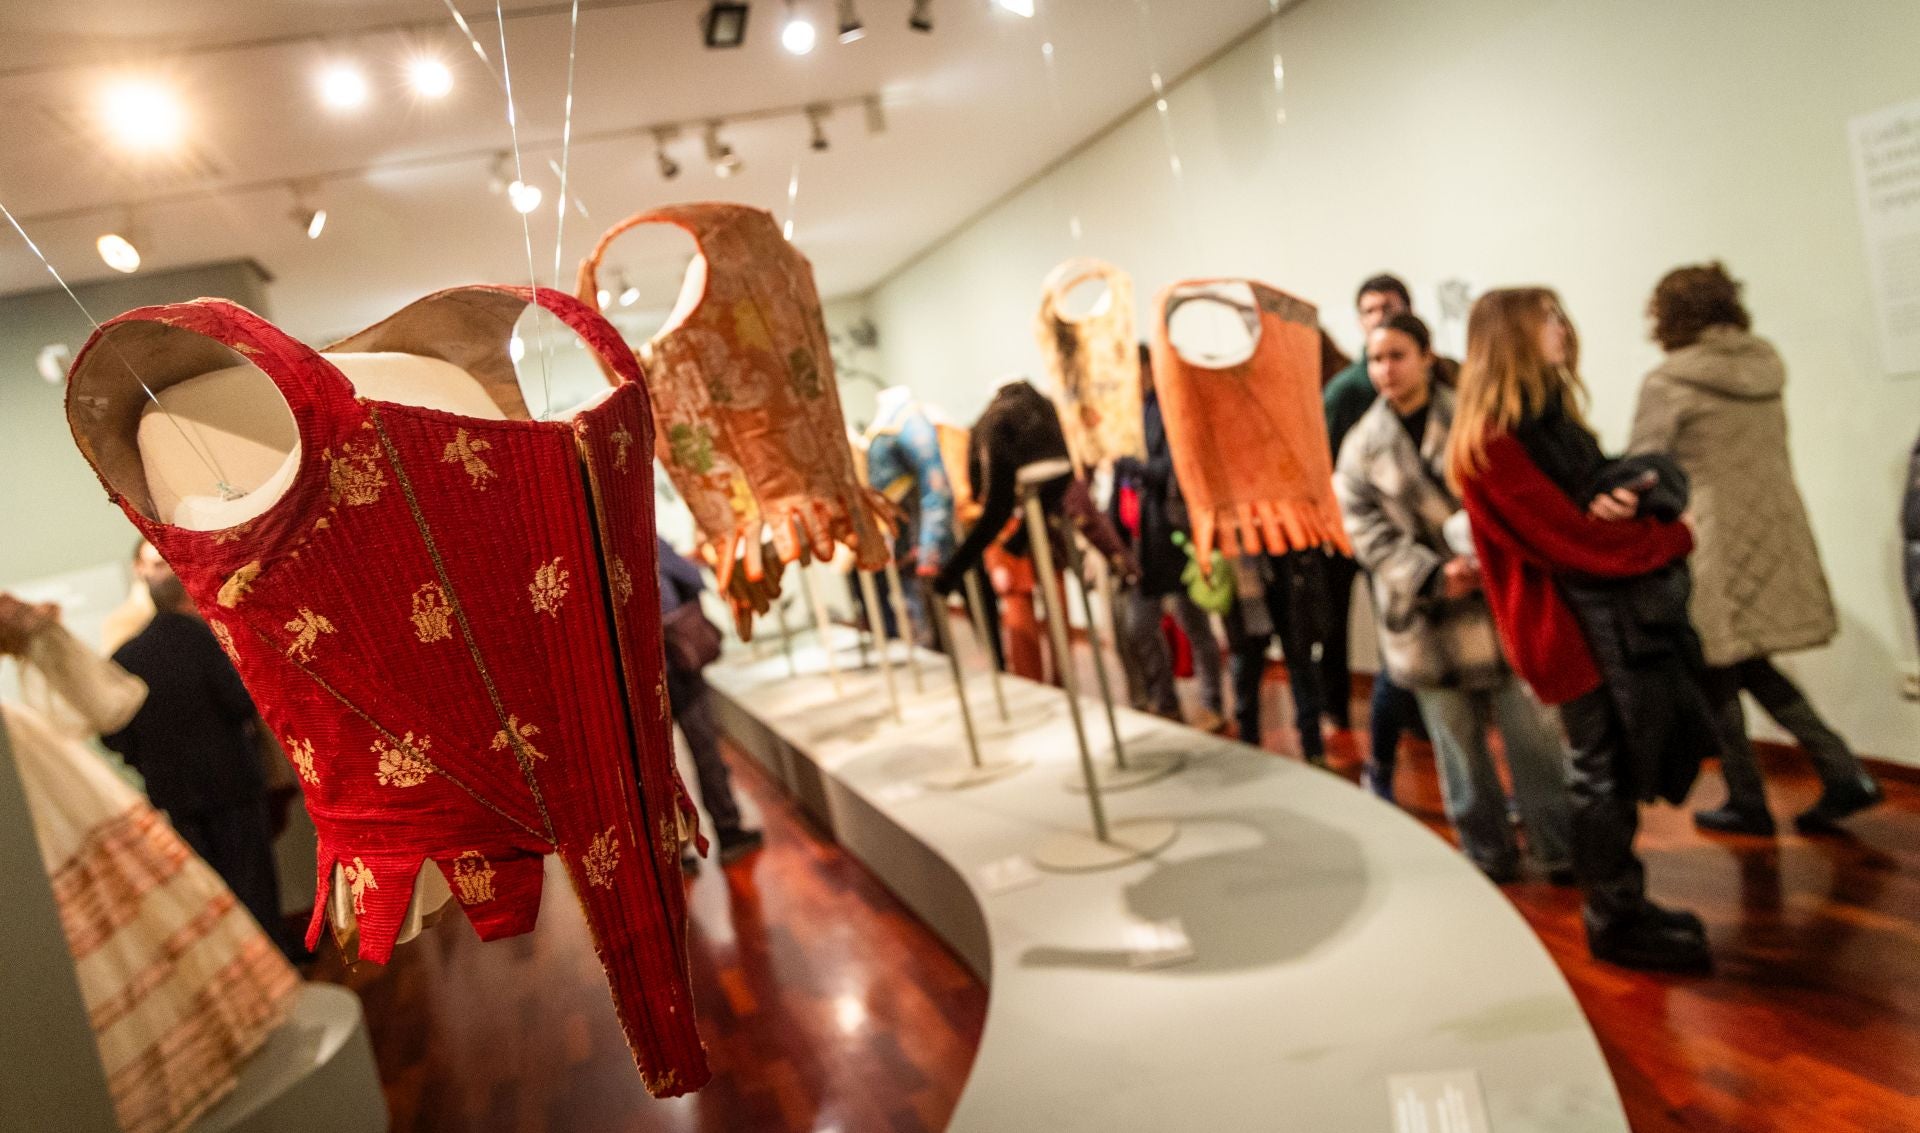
column 1716, row 408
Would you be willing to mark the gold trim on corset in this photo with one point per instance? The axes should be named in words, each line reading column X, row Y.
column 359, row 879
column 300, row 754
column 354, row 477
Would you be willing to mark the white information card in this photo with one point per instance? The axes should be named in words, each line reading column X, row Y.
column 1447, row 1102
column 1886, row 170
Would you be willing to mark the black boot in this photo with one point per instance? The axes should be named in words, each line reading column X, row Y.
column 1643, row 942
column 1735, row 820
column 1679, row 920
column 1836, row 804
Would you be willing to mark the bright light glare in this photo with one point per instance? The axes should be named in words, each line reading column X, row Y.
column 142, row 114
column 516, row 347
column 429, row 77
column 630, row 296
column 317, row 224
column 1022, row 8
column 798, row 36
column 118, row 252
column 343, row 87
column 525, row 197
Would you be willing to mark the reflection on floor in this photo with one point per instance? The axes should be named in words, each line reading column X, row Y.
column 827, row 1006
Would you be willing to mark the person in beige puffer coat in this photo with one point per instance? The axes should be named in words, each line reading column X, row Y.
column 1715, row 406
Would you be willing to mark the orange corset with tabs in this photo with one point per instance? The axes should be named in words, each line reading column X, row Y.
column 450, row 621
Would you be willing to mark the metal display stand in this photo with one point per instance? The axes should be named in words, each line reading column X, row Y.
column 822, row 627
column 903, row 624
column 1111, row 844
column 978, row 770
column 1123, row 773
column 876, row 629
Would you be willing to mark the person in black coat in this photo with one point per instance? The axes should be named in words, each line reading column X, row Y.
column 196, row 743
column 692, row 703
column 1148, row 510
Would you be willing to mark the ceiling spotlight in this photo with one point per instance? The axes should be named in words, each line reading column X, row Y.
column 311, row 220
column 343, row 86
column 669, row 168
column 602, row 297
column 629, row 294
column 921, row 18
column 797, row 36
column 725, row 24
column 524, row 197
column 142, row 115
column 118, row 252
column 1022, row 8
column 816, row 118
column 429, row 77
column 876, row 114
column 725, row 162
column 52, row 362
column 851, row 29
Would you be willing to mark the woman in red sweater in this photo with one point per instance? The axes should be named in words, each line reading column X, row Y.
column 1582, row 580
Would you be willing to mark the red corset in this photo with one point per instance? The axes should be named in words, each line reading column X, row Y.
column 453, row 626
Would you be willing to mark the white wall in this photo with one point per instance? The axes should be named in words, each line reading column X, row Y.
column 1586, row 145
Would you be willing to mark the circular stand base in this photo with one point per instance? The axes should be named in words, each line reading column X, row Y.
column 1127, row 842
column 967, row 775
column 1142, row 768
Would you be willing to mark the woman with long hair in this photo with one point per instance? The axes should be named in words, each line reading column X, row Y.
column 1436, row 634
column 1715, row 406
column 1583, row 564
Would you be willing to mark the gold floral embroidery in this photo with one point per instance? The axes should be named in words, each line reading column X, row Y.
column 622, row 441
column 548, row 587
column 306, row 630
column 658, row 1084
column 359, row 880
column 669, row 833
column 403, row 764
column 660, row 693
column 523, row 733
column 300, row 753
column 473, row 878
column 238, row 583
column 233, row 534
column 355, row 478
column 248, row 349
column 465, row 451
column 601, row 858
column 622, row 579
column 432, row 614
column 224, row 636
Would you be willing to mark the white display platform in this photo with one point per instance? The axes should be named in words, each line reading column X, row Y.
column 1336, row 943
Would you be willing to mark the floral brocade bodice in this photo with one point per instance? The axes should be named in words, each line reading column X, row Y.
column 452, row 625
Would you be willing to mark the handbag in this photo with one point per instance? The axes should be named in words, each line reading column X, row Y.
column 692, row 642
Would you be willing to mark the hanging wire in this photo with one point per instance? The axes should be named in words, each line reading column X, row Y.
column 194, row 444
column 1160, row 104
column 505, row 77
column 1279, row 65
column 1049, row 67
column 566, row 165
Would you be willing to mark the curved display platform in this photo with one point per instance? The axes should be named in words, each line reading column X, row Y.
column 1296, row 950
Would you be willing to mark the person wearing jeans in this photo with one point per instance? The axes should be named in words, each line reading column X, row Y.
column 692, row 704
column 1436, row 631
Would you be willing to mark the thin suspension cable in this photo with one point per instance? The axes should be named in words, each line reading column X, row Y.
column 566, row 165
column 194, row 444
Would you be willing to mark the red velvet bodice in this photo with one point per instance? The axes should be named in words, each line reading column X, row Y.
column 452, row 625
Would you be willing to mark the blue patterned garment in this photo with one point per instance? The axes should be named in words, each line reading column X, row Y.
column 903, row 463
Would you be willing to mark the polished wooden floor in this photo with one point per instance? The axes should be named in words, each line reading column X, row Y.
column 826, row 1006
